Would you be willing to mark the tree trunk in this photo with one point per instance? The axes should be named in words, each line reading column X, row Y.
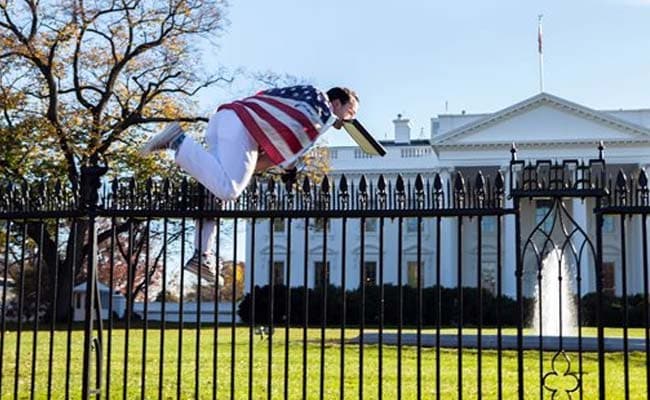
column 69, row 270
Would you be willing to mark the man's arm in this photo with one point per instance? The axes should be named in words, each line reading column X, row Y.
column 264, row 163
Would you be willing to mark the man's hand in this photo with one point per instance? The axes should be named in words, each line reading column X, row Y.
column 290, row 175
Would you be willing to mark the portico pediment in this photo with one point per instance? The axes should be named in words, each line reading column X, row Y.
column 543, row 119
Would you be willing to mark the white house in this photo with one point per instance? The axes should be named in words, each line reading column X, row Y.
column 543, row 127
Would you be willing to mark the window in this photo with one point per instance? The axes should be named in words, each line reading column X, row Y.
column 278, row 272
column 489, row 224
column 542, row 208
column 412, row 277
column 608, row 278
column 371, row 225
column 371, row 272
column 411, row 225
column 319, row 273
column 279, row 225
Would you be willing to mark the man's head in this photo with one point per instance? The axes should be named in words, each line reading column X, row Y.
column 345, row 102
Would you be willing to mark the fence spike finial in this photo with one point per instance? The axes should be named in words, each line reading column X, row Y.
column 399, row 184
column 601, row 150
column 306, row 185
column 343, row 184
column 363, row 185
column 621, row 179
column 381, row 184
column 325, row 186
column 643, row 178
column 419, row 184
column 437, row 182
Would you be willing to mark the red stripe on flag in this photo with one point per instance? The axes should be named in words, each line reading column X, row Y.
column 255, row 131
column 285, row 132
column 293, row 113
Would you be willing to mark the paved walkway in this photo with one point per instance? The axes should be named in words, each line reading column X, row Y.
column 509, row 342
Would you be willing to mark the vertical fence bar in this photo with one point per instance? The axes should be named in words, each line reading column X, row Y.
column 520, row 301
column 362, row 283
column 163, row 309
column 626, row 364
column 143, row 380
column 344, row 222
column 479, row 285
column 21, row 294
column 599, row 305
column 288, row 311
column 418, row 306
column 129, row 307
column 438, row 302
column 498, row 312
column 3, row 321
column 400, row 306
column 217, row 294
column 232, row 310
column 180, row 310
column 251, row 328
column 324, row 287
column 459, row 277
column 380, row 365
column 306, row 309
column 579, row 306
column 199, row 224
column 646, row 299
column 53, row 309
column 39, row 261
column 269, row 364
column 90, row 205
column 111, row 275
column 71, row 265
column 540, row 322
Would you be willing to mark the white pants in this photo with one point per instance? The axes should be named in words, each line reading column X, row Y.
column 225, row 168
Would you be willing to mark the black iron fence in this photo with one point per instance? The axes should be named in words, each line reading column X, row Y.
column 526, row 282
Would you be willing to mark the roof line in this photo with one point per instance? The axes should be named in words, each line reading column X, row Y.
column 540, row 99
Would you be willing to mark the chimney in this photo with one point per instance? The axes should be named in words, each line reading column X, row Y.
column 402, row 129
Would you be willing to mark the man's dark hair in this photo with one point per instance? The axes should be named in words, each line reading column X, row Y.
column 342, row 94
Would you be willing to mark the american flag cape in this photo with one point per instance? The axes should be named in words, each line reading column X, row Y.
column 284, row 121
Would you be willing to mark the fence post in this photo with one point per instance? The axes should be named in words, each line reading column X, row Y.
column 90, row 183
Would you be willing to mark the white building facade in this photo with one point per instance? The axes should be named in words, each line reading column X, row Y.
column 543, row 127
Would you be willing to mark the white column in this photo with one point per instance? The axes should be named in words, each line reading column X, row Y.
column 579, row 213
column 448, row 241
column 509, row 258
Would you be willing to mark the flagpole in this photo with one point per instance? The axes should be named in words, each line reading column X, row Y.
column 541, row 52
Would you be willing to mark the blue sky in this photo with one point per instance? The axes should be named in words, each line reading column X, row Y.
column 411, row 57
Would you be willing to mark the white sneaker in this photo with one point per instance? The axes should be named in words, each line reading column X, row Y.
column 207, row 265
column 162, row 140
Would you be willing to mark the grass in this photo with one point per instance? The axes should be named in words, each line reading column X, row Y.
column 203, row 361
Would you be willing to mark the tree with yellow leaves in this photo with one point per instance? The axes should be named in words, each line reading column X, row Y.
column 81, row 80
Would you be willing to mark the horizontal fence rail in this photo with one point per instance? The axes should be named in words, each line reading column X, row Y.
column 524, row 282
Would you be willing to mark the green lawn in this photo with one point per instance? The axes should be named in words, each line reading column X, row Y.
column 332, row 375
